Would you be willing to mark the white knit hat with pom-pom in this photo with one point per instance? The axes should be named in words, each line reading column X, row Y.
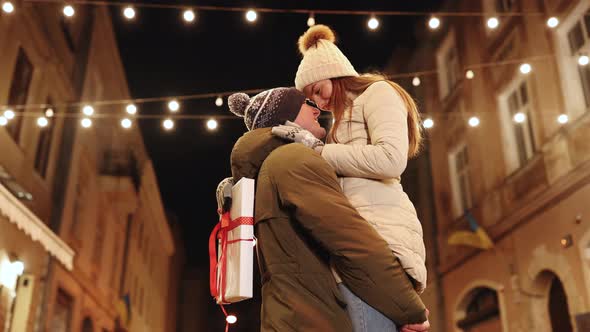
column 268, row 108
column 321, row 58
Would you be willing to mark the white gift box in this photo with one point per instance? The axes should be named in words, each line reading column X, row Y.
column 239, row 251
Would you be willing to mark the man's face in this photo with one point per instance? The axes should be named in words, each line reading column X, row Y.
column 308, row 119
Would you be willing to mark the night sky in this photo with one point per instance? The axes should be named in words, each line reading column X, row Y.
column 220, row 51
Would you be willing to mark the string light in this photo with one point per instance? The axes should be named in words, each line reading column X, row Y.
column 7, row 7
column 434, row 23
column 519, row 117
column 469, row 74
column 49, row 112
column 86, row 123
column 231, row 319
column 428, row 123
column 373, row 23
column 3, row 121
column 168, row 124
column 474, row 121
column 9, row 114
column 563, row 118
column 42, row 122
column 69, row 11
column 219, row 101
column 129, row 12
column 583, row 60
column 212, row 124
column 126, row 123
column 416, row 81
column 131, row 109
column 493, row 23
column 251, row 15
column 189, row 15
column 88, row 110
column 553, row 22
column 311, row 20
column 525, row 68
column 173, row 106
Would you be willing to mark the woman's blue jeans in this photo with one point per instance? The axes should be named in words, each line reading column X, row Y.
column 364, row 317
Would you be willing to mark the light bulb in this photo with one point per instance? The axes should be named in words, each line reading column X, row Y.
column 493, row 23
column 131, row 109
column 69, row 11
column 126, row 123
column 9, row 114
column 219, row 102
column 251, row 15
column 474, row 121
column 3, row 121
column 173, row 106
column 553, row 22
column 469, row 74
column 231, row 319
column 434, row 23
column 86, row 123
column 42, row 122
column 373, row 23
column 212, row 124
column 311, row 21
column 563, row 118
column 189, row 15
column 129, row 12
column 49, row 112
column 88, row 110
column 519, row 117
column 7, row 7
column 428, row 123
column 525, row 68
column 168, row 124
column 583, row 60
column 416, row 81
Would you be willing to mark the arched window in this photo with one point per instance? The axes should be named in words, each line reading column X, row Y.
column 482, row 312
column 87, row 325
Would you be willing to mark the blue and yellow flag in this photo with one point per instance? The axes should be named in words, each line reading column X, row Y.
column 475, row 237
column 124, row 310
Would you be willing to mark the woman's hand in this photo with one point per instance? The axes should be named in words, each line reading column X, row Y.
column 298, row 135
column 424, row 327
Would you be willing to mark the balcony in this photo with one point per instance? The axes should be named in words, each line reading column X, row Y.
column 121, row 163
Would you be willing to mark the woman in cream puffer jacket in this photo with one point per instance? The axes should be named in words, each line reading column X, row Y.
column 376, row 130
column 370, row 158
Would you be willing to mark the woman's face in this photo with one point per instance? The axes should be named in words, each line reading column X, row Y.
column 320, row 92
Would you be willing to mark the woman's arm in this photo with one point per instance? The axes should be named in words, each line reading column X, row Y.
column 387, row 154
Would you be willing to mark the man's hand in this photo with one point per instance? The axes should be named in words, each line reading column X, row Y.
column 424, row 327
column 298, row 135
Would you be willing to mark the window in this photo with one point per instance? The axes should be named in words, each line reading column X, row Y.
column 448, row 66
column 19, row 90
column 62, row 314
column 519, row 140
column 44, row 144
column 505, row 5
column 460, row 183
column 578, row 38
column 482, row 312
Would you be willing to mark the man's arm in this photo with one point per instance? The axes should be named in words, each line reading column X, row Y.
column 308, row 185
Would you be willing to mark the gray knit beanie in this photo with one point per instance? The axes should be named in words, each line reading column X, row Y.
column 268, row 108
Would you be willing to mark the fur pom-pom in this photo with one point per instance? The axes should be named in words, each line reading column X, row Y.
column 313, row 35
column 238, row 102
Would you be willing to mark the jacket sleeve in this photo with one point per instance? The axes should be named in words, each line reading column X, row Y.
column 386, row 156
column 307, row 186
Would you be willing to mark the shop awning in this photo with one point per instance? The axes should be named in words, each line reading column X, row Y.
column 20, row 215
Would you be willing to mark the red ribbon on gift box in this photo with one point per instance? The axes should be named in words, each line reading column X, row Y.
column 220, row 232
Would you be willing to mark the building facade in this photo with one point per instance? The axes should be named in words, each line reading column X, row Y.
column 510, row 147
column 93, row 191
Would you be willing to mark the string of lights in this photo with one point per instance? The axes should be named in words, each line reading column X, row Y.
column 173, row 103
column 189, row 12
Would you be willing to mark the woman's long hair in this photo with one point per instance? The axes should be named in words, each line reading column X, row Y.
column 340, row 101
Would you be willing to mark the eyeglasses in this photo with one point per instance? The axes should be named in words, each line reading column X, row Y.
column 314, row 105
